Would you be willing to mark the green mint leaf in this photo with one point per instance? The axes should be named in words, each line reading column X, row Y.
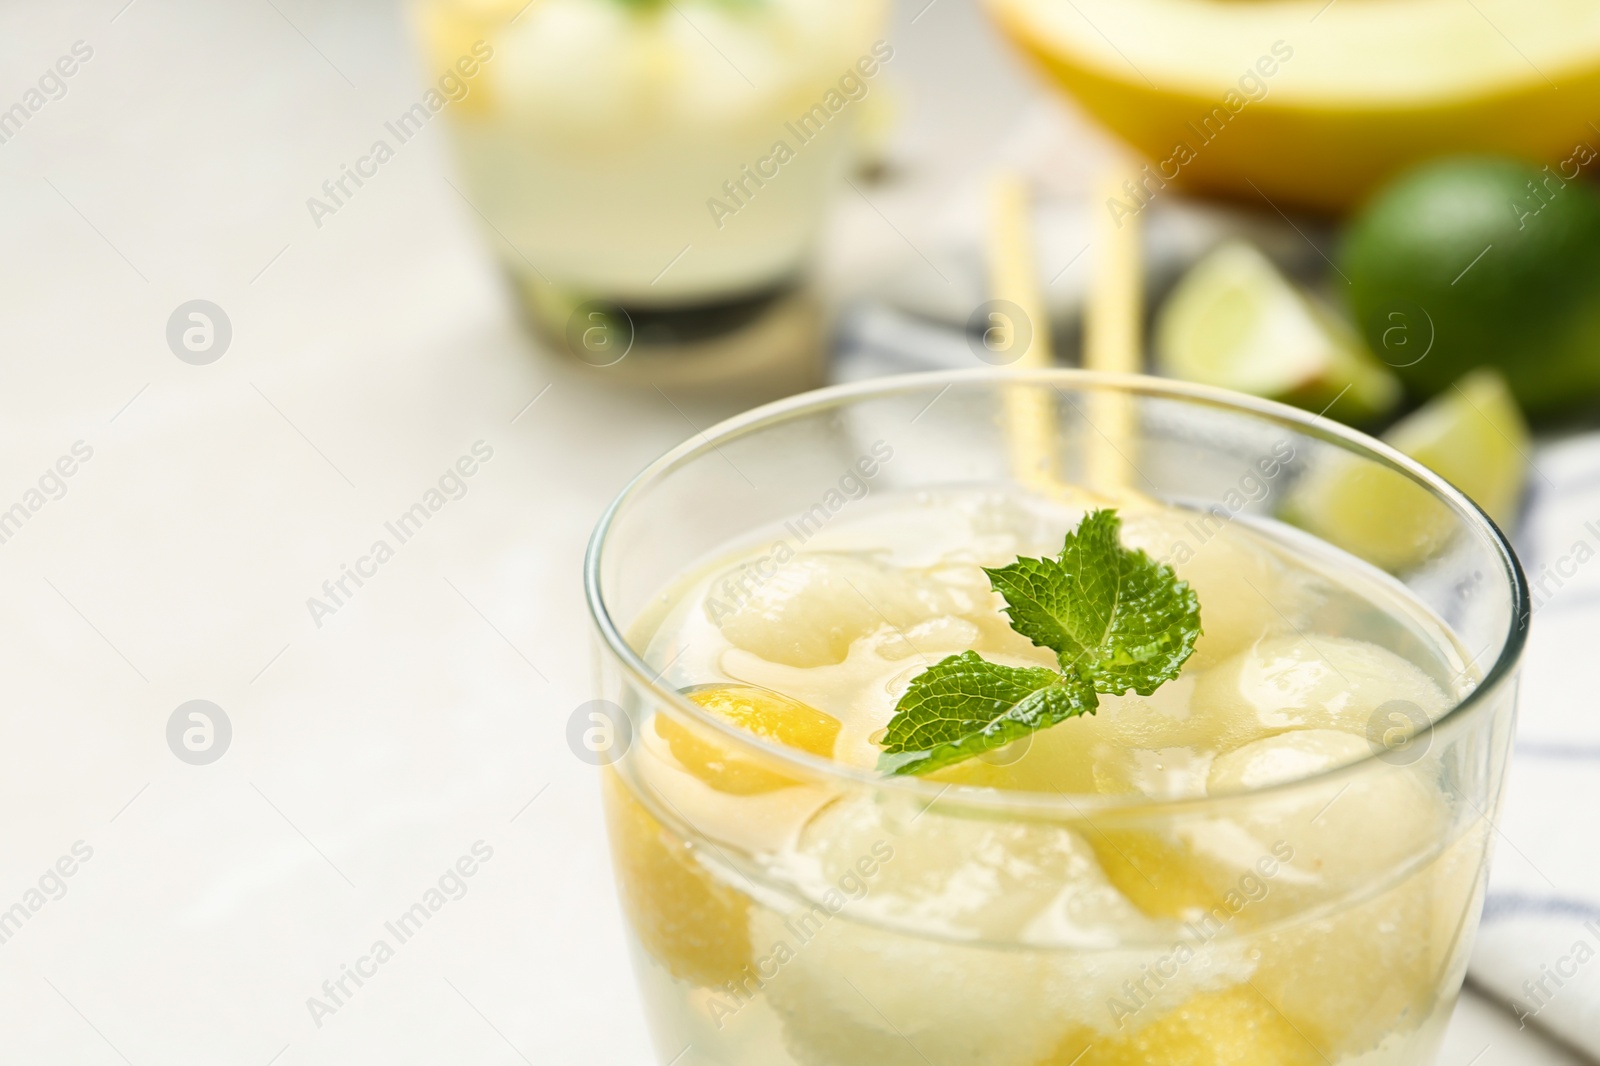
column 1114, row 616
column 965, row 705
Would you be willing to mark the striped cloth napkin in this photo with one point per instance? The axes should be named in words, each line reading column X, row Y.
column 1539, row 946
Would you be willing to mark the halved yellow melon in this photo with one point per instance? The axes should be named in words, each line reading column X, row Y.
column 1312, row 103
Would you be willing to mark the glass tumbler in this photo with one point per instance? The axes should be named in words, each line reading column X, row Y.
column 653, row 174
column 837, row 917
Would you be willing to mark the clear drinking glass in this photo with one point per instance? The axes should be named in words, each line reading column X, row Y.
column 785, row 908
column 653, row 175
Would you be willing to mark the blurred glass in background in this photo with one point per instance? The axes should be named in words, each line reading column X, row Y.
column 655, row 172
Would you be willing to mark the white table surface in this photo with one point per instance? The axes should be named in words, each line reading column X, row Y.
column 428, row 713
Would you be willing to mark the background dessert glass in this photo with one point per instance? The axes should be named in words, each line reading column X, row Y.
column 656, row 173
column 1337, row 938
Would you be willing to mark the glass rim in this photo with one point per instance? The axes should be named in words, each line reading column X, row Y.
column 834, row 396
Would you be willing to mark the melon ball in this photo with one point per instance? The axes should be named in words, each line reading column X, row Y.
column 1245, row 589
column 806, row 611
column 1341, row 835
column 968, row 940
column 1325, row 682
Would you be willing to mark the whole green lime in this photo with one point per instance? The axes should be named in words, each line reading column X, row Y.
column 1478, row 261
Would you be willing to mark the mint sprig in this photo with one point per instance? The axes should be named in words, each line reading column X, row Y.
column 1116, row 619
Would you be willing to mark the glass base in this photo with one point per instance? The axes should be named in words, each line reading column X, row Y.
column 773, row 340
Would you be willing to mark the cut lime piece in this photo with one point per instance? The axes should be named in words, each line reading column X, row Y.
column 1473, row 435
column 1235, row 322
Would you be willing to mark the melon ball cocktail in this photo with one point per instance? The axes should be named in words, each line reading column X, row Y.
column 1008, row 719
column 654, row 155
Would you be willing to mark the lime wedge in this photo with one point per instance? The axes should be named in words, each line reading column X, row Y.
column 1235, row 322
column 1473, row 435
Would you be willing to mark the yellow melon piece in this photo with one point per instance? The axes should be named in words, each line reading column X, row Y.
column 756, row 710
column 1159, row 874
column 458, row 36
column 691, row 923
column 1232, row 1027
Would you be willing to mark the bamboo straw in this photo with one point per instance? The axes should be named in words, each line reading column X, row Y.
column 1111, row 341
column 1030, row 417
